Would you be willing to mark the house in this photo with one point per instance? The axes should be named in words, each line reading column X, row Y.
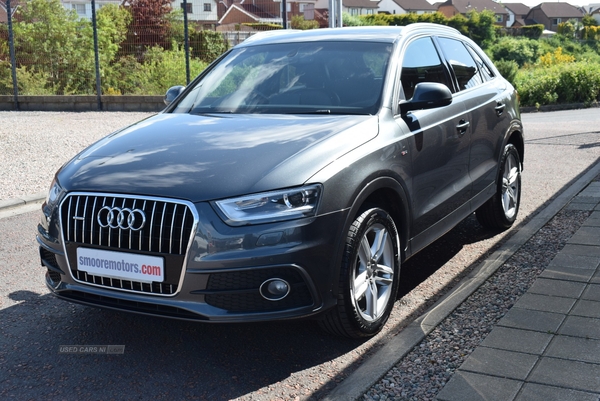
column 235, row 12
column 591, row 8
column 83, row 8
column 321, row 15
column 452, row 7
column 517, row 12
column 360, row 7
column 406, row 6
column 4, row 6
column 202, row 13
column 596, row 14
column 552, row 14
column 353, row 7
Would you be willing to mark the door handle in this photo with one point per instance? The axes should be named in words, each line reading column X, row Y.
column 499, row 109
column 462, row 127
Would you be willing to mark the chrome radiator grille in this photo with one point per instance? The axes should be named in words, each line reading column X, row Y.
column 166, row 229
column 128, row 224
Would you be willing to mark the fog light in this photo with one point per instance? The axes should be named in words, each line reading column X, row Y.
column 274, row 289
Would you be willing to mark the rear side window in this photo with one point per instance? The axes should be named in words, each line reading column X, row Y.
column 421, row 63
column 465, row 68
column 484, row 69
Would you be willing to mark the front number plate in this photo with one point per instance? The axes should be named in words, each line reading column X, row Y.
column 128, row 266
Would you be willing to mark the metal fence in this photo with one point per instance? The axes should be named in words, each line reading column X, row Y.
column 53, row 47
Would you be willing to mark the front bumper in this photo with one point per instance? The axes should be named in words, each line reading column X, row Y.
column 223, row 270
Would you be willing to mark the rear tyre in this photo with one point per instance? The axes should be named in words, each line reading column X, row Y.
column 368, row 281
column 500, row 212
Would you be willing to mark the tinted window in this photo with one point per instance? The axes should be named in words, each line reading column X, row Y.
column 315, row 77
column 465, row 68
column 421, row 63
column 484, row 69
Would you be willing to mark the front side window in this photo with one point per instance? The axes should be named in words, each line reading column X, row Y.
column 207, row 7
column 464, row 67
column 315, row 77
column 421, row 63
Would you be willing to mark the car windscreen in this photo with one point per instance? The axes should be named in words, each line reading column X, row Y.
column 308, row 77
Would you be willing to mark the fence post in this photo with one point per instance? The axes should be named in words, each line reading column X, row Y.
column 96, row 56
column 186, row 43
column 13, row 58
column 284, row 14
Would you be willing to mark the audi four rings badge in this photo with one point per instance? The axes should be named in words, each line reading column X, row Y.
column 125, row 219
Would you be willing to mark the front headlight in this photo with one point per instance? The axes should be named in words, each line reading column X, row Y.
column 53, row 193
column 272, row 206
column 52, row 199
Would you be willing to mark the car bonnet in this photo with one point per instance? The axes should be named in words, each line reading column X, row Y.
column 208, row 157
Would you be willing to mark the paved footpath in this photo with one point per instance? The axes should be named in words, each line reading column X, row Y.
column 547, row 347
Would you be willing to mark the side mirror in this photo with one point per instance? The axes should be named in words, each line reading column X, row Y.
column 172, row 93
column 427, row 95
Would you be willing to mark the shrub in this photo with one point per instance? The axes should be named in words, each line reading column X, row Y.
column 590, row 33
column 566, row 29
column 532, row 31
column 375, row 19
column 350, row 20
column 579, row 83
column 557, row 57
column 162, row 69
column 508, row 69
column 262, row 26
column 32, row 82
column 207, row 45
column 521, row 50
column 537, row 87
column 298, row 22
column 6, row 86
column 121, row 77
column 567, row 83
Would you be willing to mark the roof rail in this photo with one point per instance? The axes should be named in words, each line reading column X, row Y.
column 270, row 34
column 424, row 25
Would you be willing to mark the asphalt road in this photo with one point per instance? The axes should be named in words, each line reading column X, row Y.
column 167, row 359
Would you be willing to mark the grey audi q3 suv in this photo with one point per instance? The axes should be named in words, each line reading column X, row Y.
column 290, row 179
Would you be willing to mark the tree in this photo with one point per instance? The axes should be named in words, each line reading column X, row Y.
column 55, row 48
column 589, row 20
column 481, row 27
column 566, row 29
column 112, row 22
column 150, row 25
column 48, row 42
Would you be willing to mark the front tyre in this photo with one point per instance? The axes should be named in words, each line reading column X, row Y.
column 501, row 210
column 368, row 277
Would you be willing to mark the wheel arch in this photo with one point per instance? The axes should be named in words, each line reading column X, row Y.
column 388, row 194
column 515, row 137
column 385, row 193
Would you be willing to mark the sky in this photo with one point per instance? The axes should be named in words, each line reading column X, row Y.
column 533, row 3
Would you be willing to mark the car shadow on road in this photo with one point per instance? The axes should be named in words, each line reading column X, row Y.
column 163, row 358
column 171, row 359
